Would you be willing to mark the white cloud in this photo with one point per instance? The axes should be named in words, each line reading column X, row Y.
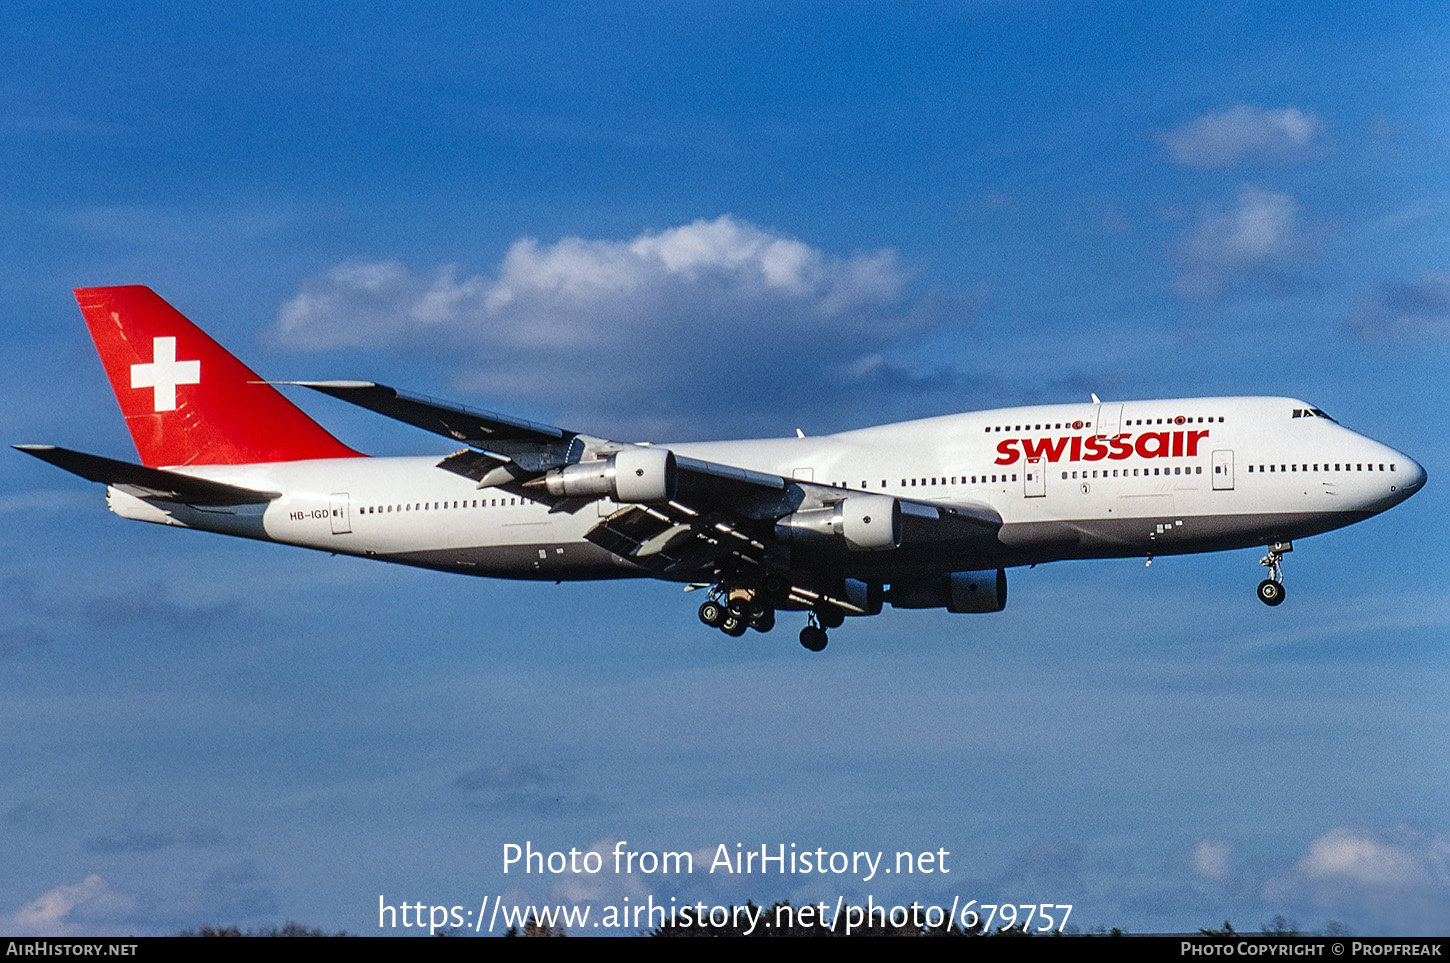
column 1258, row 235
column 580, row 292
column 1399, row 879
column 71, row 910
column 1244, row 132
column 231, row 893
column 1210, row 860
column 722, row 312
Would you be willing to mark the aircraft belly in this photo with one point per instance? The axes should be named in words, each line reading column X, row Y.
column 1168, row 534
column 551, row 561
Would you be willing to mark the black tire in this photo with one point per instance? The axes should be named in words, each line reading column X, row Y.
column 733, row 627
column 713, row 614
column 830, row 617
column 1271, row 592
column 813, row 638
column 764, row 622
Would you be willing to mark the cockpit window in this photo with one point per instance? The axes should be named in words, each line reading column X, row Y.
column 1311, row 413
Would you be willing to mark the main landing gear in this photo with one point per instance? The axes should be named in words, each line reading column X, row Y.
column 732, row 610
column 733, row 614
column 1271, row 589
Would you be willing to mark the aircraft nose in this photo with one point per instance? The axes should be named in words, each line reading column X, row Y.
column 1414, row 477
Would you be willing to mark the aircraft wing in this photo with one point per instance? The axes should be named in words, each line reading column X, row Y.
column 482, row 429
column 715, row 518
column 694, row 536
column 146, row 482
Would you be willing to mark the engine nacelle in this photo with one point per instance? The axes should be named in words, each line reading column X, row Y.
column 866, row 596
column 631, row 476
column 956, row 592
column 867, row 523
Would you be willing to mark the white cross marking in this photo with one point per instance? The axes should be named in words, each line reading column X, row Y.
column 164, row 373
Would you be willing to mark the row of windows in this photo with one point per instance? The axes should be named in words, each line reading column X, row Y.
column 1114, row 473
column 1358, row 466
column 1175, row 420
column 439, row 506
column 1073, row 425
column 938, row 480
column 1147, row 473
column 1078, row 425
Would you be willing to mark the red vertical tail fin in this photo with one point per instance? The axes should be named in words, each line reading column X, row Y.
column 186, row 399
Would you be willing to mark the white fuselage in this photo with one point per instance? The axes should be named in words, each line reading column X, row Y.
column 1069, row 481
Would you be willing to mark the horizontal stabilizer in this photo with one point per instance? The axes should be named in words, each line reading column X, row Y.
column 148, row 482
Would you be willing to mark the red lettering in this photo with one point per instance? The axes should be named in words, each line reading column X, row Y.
column 1043, row 447
column 1178, row 444
column 1159, row 450
column 1076, row 446
column 1193, row 438
column 1006, row 448
column 1122, row 447
column 1095, row 450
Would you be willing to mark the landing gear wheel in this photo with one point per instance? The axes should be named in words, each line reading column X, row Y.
column 713, row 614
column 1271, row 592
column 733, row 627
column 830, row 617
column 763, row 622
column 813, row 638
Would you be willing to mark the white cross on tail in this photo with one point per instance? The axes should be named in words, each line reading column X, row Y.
column 164, row 373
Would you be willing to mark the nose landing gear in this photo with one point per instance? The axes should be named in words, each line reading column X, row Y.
column 1271, row 589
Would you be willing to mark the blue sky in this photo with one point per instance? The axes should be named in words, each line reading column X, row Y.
column 681, row 221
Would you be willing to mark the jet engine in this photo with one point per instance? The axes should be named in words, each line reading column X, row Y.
column 956, row 592
column 867, row 523
column 630, row 476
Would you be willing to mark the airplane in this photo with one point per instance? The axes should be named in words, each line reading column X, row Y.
column 920, row 514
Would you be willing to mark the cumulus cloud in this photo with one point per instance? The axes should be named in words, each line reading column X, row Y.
column 71, row 910
column 1244, row 133
column 1413, row 311
column 92, row 906
column 1400, row 879
column 722, row 312
column 1259, row 235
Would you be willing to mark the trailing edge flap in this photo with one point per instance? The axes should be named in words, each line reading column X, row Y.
column 148, row 482
column 459, row 422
